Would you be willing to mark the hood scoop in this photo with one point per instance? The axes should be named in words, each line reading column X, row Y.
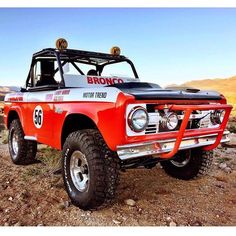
column 149, row 91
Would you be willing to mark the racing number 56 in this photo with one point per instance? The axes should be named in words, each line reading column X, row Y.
column 38, row 116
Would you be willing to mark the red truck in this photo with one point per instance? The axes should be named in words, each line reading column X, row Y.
column 104, row 122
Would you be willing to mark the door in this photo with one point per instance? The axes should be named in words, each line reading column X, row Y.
column 39, row 118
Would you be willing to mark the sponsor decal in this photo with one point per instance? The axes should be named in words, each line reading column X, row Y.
column 38, row 117
column 16, row 99
column 63, row 92
column 101, row 80
column 49, row 97
column 58, row 98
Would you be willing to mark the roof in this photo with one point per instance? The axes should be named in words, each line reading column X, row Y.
column 72, row 54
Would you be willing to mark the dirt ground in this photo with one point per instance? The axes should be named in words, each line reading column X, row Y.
column 34, row 196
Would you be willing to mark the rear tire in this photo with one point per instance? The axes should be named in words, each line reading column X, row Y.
column 22, row 152
column 90, row 169
column 189, row 164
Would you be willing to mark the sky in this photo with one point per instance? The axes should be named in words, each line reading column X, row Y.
column 167, row 45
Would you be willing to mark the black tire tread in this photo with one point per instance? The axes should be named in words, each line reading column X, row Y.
column 103, row 161
column 206, row 164
column 198, row 166
column 27, row 150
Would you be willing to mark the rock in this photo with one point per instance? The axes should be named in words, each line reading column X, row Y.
column 17, row 224
column 168, row 218
column 40, row 225
column 6, row 224
column 117, row 222
column 222, row 166
column 10, row 198
column 172, row 224
column 232, row 140
column 196, row 223
column 220, row 185
column 66, row 204
column 227, row 170
column 130, row 202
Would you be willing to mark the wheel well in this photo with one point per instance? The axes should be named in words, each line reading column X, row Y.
column 76, row 122
column 12, row 116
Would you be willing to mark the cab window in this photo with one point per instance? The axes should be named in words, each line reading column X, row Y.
column 44, row 73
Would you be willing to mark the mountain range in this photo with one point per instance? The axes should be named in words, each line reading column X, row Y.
column 227, row 87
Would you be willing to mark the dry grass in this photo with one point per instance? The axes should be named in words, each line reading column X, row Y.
column 4, row 136
column 51, row 158
column 50, row 163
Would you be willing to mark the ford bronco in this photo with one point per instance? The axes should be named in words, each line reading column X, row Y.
column 94, row 108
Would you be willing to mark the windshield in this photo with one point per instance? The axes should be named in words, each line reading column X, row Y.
column 122, row 69
column 103, row 73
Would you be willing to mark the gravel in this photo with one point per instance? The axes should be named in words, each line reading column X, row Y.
column 144, row 197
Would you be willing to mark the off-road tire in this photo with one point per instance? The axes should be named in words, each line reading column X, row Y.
column 103, row 169
column 27, row 150
column 199, row 164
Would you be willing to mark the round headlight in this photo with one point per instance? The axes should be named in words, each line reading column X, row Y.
column 138, row 119
column 170, row 121
column 217, row 117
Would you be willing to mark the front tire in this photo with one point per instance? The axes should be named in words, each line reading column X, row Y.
column 22, row 152
column 189, row 164
column 90, row 169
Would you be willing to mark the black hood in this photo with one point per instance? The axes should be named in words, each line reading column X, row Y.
column 149, row 91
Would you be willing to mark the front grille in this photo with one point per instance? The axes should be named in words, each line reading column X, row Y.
column 155, row 126
column 151, row 129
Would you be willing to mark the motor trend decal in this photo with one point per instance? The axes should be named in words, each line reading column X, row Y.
column 95, row 95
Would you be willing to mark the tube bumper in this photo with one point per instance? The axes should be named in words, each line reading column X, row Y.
column 160, row 147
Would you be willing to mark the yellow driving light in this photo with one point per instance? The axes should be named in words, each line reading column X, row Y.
column 115, row 51
column 61, row 44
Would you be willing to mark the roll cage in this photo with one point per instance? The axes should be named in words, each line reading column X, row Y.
column 97, row 59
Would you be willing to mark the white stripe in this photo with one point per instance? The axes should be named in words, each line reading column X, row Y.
column 102, row 94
